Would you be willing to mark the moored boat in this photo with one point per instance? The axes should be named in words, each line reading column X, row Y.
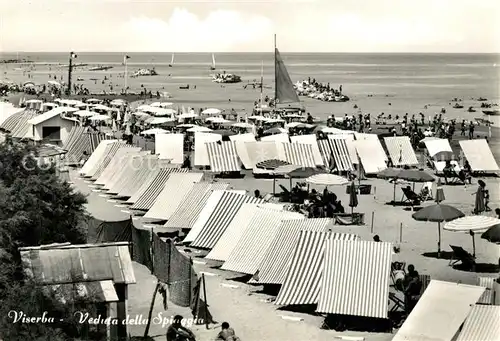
column 491, row 112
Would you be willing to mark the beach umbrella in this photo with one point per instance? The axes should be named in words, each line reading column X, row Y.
column 242, row 125
column 438, row 213
column 479, row 206
column 471, row 224
column 161, row 111
column 101, row 107
column 99, row 118
column 217, row 120
column 326, row 180
column 143, row 107
column 439, row 192
column 353, row 197
column 185, row 125
column 187, row 115
column 54, row 83
column 271, row 164
column 154, row 131
column 211, row 111
column 161, row 120
column 198, row 129
column 492, row 234
column 258, row 118
column 414, row 175
column 275, row 131
column 85, row 113
column 444, row 156
column 223, row 132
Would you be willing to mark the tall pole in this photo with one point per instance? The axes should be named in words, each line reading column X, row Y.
column 70, row 70
column 275, row 76
column 125, row 61
column 261, row 85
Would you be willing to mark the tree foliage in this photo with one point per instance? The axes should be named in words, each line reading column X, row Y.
column 36, row 208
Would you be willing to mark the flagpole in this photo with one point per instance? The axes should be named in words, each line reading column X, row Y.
column 70, row 70
column 125, row 61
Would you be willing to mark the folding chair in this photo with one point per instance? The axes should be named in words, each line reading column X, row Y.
column 426, row 194
column 451, row 177
column 460, row 255
column 399, row 304
column 395, row 268
column 411, row 197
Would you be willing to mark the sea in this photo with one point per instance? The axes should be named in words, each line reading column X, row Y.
column 391, row 83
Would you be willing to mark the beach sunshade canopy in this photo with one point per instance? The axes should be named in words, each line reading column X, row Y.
column 85, row 113
column 271, row 164
column 274, row 131
column 186, row 125
column 258, row 118
column 492, row 234
column 242, row 125
column 389, row 173
column 223, row 132
column 326, row 180
column 99, row 118
column 286, row 169
column 161, row 120
column 100, row 107
column 472, row 224
column 198, row 129
column 438, row 213
column 415, row 175
column 217, row 120
column 301, row 172
column 211, row 111
column 187, row 115
column 444, row 156
column 154, row 131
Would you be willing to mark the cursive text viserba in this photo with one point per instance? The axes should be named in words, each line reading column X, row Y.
column 20, row 316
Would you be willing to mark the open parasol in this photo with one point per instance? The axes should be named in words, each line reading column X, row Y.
column 492, row 234
column 438, row 213
column 326, row 180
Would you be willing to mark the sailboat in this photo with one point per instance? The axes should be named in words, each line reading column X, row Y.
column 172, row 61
column 212, row 67
column 284, row 91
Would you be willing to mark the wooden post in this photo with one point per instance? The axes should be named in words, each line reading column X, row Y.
column 373, row 218
column 401, row 232
column 150, row 313
column 206, row 301
column 151, row 250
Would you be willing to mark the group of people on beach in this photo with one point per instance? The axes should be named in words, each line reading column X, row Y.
column 177, row 332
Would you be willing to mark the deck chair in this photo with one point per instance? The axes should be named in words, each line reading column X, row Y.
column 426, row 194
column 399, row 304
column 268, row 197
column 460, row 255
column 395, row 268
column 349, row 219
column 410, row 197
column 451, row 177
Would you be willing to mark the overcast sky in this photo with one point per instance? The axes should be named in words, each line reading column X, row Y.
column 248, row 26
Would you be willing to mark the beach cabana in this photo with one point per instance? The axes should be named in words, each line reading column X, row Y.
column 176, row 187
column 401, row 151
column 192, row 204
column 303, row 275
column 124, row 172
column 274, row 265
column 227, row 240
column 440, row 312
column 371, row 155
column 170, row 146
column 223, row 157
column 108, row 155
column 142, row 170
column 299, row 154
column 80, row 140
column 96, row 156
column 51, row 126
column 336, row 154
column 355, row 278
column 200, row 150
column 133, row 171
column 249, row 250
column 241, row 149
column 219, row 219
column 435, row 148
column 115, row 165
column 310, row 139
column 479, row 155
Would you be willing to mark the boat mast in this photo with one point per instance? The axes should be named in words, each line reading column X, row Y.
column 261, row 85
column 275, row 76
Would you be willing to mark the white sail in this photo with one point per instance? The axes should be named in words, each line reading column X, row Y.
column 213, row 61
column 172, row 61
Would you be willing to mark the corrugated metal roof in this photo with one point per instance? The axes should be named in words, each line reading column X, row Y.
column 241, row 149
column 440, row 312
column 303, row 278
column 336, row 148
column 482, row 324
column 200, row 150
column 370, row 156
column 176, row 187
column 52, row 264
column 355, row 279
column 221, row 217
column 299, row 154
column 23, row 129
column 98, row 291
column 191, row 206
column 170, row 146
column 310, row 139
column 276, row 260
column 261, row 151
column 256, row 239
column 479, row 155
column 224, row 246
column 223, row 157
column 148, row 197
column 116, row 163
column 488, row 296
column 96, row 156
column 401, row 151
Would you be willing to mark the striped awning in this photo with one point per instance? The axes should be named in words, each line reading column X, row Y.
column 175, row 189
column 200, row 150
column 276, row 259
column 12, row 121
column 299, row 154
column 488, row 296
column 117, row 163
column 150, row 162
column 482, row 324
column 241, row 149
column 471, row 223
column 223, row 157
column 401, row 151
column 256, row 239
column 440, row 312
column 105, row 159
column 221, row 217
column 189, row 209
column 78, row 141
column 372, row 155
column 95, row 157
column 148, row 197
column 479, row 155
column 310, row 139
column 114, row 149
column 336, row 154
column 355, row 278
column 23, row 129
column 303, row 278
column 162, row 164
column 121, row 176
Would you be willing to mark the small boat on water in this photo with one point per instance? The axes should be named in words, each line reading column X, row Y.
column 458, row 106
column 145, row 72
column 226, row 78
column 212, row 67
column 491, row 112
column 100, row 68
column 171, row 61
column 471, row 109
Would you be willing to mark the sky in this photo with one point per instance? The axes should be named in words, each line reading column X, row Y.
column 441, row 26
